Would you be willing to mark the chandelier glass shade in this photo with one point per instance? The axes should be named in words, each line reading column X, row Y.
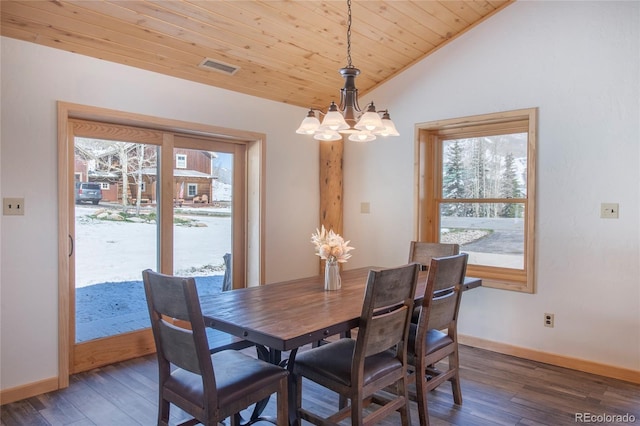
column 348, row 118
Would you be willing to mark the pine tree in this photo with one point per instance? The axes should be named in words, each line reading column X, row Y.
column 509, row 187
column 453, row 178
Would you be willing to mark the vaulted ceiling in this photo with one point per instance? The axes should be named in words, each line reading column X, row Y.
column 287, row 51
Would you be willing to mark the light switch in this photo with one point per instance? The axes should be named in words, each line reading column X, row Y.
column 13, row 206
column 364, row 208
column 609, row 210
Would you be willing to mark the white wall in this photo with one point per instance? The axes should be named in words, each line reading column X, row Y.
column 579, row 63
column 33, row 79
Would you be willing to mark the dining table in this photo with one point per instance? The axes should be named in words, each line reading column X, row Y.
column 285, row 316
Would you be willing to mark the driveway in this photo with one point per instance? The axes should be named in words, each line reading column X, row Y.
column 507, row 236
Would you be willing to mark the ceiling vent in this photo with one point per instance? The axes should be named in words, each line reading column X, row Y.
column 214, row 65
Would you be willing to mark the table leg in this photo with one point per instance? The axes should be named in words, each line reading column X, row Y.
column 275, row 357
column 271, row 356
column 293, row 390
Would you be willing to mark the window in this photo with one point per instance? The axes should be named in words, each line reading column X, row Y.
column 192, row 189
column 104, row 185
column 477, row 189
column 181, row 161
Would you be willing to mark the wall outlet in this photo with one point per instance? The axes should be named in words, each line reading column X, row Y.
column 13, row 206
column 548, row 320
column 609, row 210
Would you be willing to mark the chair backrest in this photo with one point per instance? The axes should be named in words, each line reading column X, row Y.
column 178, row 327
column 386, row 312
column 422, row 252
column 442, row 296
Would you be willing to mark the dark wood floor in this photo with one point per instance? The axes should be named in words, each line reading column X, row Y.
column 497, row 390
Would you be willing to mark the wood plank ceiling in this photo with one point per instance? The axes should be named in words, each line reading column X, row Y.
column 287, row 51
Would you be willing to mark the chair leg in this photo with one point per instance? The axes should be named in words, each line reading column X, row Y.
column 283, row 403
column 405, row 415
column 357, row 406
column 163, row 412
column 235, row 419
column 455, row 380
column 298, row 381
column 421, row 393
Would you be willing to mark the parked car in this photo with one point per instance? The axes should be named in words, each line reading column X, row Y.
column 87, row 191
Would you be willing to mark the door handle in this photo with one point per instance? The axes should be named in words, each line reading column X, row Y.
column 70, row 245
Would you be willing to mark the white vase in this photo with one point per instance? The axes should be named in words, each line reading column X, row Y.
column 332, row 280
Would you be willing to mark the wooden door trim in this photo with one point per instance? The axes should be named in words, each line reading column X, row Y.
column 65, row 246
column 120, row 348
column 254, row 142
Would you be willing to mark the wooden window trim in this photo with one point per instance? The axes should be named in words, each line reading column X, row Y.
column 428, row 172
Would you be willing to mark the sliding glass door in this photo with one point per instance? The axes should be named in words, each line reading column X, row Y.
column 204, row 205
column 116, row 234
column 146, row 199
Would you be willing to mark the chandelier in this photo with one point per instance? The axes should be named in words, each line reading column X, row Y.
column 348, row 118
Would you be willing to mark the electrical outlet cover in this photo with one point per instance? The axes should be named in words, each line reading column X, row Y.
column 13, row 206
column 609, row 210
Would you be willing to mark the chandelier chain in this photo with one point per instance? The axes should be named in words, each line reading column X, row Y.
column 349, row 64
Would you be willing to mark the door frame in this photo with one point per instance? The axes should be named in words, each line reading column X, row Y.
column 137, row 343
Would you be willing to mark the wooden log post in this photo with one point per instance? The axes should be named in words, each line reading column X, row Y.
column 331, row 204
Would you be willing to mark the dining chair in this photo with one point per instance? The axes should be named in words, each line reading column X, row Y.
column 422, row 252
column 435, row 336
column 358, row 368
column 208, row 386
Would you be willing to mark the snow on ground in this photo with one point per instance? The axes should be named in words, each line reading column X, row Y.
column 111, row 255
column 110, row 251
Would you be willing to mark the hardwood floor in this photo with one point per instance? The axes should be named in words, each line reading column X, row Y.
column 497, row 390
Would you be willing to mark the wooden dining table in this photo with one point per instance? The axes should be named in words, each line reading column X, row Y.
column 285, row 316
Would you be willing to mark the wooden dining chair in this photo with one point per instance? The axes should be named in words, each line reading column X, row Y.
column 358, row 368
column 435, row 336
column 208, row 386
column 422, row 252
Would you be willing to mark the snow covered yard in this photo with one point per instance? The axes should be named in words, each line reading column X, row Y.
column 111, row 255
column 108, row 250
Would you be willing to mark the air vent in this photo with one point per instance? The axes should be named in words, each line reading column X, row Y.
column 211, row 64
